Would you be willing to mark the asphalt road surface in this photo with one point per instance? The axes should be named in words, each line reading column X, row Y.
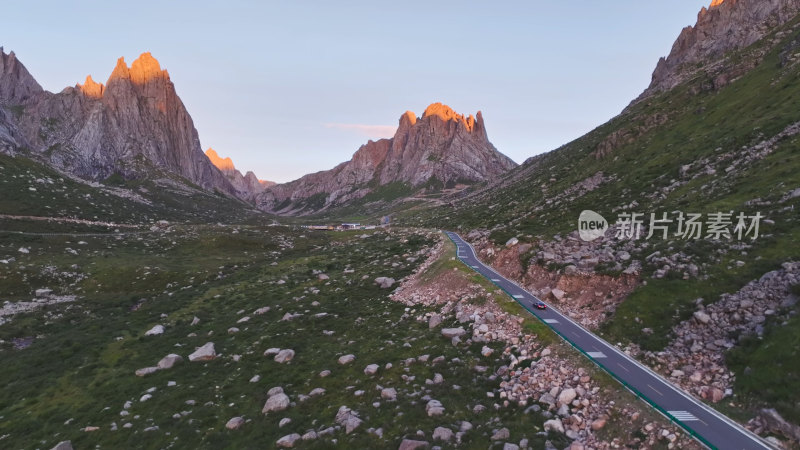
column 707, row 426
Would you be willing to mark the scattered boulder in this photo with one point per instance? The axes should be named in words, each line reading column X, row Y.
column 284, row 355
column 512, row 242
column 63, row 445
column 558, row 294
column 155, row 331
column 348, row 418
column 384, row 282
column 451, row 333
column 435, row 321
column 371, row 369
column 501, row 435
column 434, row 408
column 204, row 353
column 275, row 403
column 411, row 444
column 271, row 351
column 169, row 361
column 389, row 394
column 235, row 423
column 442, row 434
column 346, row 359
column 146, row 371
column 261, row 311
column 554, row 425
column 288, row 441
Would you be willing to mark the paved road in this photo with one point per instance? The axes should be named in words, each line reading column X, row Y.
column 703, row 423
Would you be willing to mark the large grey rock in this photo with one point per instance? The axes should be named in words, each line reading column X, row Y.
column 204, row 353
column 450, row 333
column 384, row 282
column 234, row 423
column 348, row 418
column 346, row 359
column 155, row 331
column 288, row 441
column 63, row 445
column 169, row 361
column 434, row 408
column 275, row 403
column 567, row 396
column 442, row 434
column 284, row 355
column 412, row 444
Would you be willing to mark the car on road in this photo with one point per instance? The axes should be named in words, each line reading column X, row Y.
column 539, row 305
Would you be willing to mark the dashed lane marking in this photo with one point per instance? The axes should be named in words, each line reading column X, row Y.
column 596, row 354
column 550, row 320
column 518, row 296
column 656, row 390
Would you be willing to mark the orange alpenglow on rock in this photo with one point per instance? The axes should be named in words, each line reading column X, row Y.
column 446, row 113
column 225, row 164
column 146, row 68
column 90, row 88
column 716, row 3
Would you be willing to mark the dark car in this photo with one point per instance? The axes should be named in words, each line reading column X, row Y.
column 540, row 305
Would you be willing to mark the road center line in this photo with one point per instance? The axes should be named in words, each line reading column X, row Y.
column 657, row 392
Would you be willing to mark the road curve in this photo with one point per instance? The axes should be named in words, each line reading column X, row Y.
column 706, row 425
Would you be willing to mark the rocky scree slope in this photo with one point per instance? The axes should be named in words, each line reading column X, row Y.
column 440, row 149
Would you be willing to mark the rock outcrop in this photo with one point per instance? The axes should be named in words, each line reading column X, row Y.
column 439, row 150
column 247, row 186
column 135, row 125
column 724, row 26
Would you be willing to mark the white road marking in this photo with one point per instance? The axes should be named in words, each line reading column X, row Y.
column 550, row 321
column 623, row 367
column 657, row 392
column 683, row 416
column 474, row 267
column 495, row 280
column 517, row 296
column 596, row 354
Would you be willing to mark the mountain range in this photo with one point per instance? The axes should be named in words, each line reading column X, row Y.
column 440, row 150
column 136, row 127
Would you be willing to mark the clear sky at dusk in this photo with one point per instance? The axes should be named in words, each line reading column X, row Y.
column 291, row 87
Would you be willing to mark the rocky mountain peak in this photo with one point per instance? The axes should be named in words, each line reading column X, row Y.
column 16, row 83
column 146, row 68
column 91, row 88
column 223, row 164
column 247, row 186
column 725, row 26
column 442, row 149
column 120, row 71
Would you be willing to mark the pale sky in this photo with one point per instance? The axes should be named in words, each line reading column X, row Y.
column 287, row 88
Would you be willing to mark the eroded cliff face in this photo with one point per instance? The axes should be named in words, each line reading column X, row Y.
column 442, row 148
column 724, row 26
column 133, row 125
